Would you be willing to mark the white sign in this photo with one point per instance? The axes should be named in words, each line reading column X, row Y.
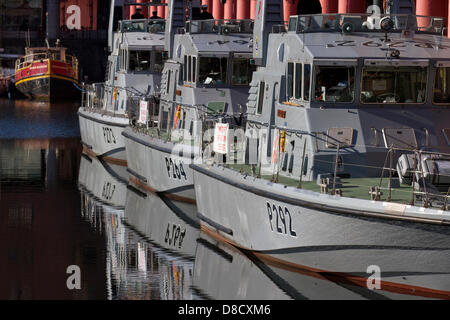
column 143, row 110
column 221, row 138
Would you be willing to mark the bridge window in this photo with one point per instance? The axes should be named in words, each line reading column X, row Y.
column 185, row 68
column 298, row 81
column 242, row 71
column 390, row 84
column 306, row 81
column 194, row 69
column 441, row 92
column 290, row 80
column 294, row 80
column 212, row 70
column 334, row 84
column 190, row 69
column 139, row 61
column 262, row 86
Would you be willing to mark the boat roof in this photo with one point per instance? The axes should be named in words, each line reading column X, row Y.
column 44, row 49
column 222, row 43
column 373, row 45
column 143, row 41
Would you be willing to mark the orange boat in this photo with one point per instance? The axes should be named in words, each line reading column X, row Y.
column 47, row 73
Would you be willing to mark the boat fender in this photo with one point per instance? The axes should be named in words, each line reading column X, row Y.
column 177, row 116
column 282, row 141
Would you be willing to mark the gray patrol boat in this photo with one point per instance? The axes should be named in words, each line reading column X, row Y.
column 347, row 150
column 206, row 77
column 134, row 71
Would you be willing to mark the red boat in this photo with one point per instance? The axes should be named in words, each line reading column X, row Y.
column 47, row 73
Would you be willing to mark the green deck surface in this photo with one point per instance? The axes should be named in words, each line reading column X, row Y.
column 351, row 187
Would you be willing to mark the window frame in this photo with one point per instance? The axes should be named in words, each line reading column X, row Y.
column 397, row 63
column 261, row 93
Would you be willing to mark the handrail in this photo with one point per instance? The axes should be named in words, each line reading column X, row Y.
column 30, row 58
column 351, row 22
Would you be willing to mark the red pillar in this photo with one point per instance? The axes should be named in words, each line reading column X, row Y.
column 209, row 4
column 329, row 6
column 160, row 10
column 132, row 11
column 243, row 9
column 352, row 6
column 436, row 8
column 289, row 8
column 253, row 8
column 217, row 9
column 229, row 9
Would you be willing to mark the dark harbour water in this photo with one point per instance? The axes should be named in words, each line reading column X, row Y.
column 60, row 208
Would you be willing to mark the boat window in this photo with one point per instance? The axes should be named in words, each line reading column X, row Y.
column 441, row 92
column 212, row 70
column 194, row 68
column 242, row 71
column 306, row 81
column 139, row 61
column 298, row 80
column 168, row 81
column 189, row 72
column 290, row 80
column 294, row 80
column 159, row 61
column 262, row 86
column 133, row 26
column 389, row 84
column 334, row 84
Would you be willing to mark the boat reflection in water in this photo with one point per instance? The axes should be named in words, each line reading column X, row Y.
column 170, row 229
column 142, row 262
column 156, row 250
column 39, row 230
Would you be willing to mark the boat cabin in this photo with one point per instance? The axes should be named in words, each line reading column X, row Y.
column 134, row 66
column 208, row 74
column 343, row 90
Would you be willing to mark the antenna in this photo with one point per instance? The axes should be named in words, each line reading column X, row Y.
column 110, row 25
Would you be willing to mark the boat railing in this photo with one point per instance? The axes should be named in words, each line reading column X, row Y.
column 93, row 95
column 41, row 56
column 425, row 182
column 352, row 22
column 142, row 25
column 220, row 26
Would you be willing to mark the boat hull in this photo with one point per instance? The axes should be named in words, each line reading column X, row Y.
column 101, row 135
column 48, row 79
column 297, row 230
column 159, row 166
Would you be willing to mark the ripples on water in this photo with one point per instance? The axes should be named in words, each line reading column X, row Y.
column 58, row 207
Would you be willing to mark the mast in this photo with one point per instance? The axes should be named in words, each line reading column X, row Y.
column 110, row 26
column 174, row 20
column 267, row 14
